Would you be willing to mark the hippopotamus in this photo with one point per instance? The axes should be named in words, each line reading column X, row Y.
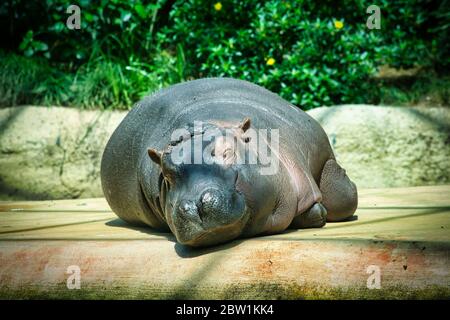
column 149, row 177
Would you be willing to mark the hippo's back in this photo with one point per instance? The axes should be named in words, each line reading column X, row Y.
column 126, row 169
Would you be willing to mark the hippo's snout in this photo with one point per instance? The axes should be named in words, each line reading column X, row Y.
column 214, row 217
column 209, row 206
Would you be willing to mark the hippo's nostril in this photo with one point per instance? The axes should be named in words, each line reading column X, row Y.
column 207, row 197
column 188, row 208
column 210, row 202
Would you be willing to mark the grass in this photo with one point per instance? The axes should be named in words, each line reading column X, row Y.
column 100, row 83
column 411, row 87
column 20, row 78
column 422, row 91
column 107, row 84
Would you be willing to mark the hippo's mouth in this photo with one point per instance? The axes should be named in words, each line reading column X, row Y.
column 217, row 235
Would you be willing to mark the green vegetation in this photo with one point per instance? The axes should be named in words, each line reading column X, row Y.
column 419, row 90
column 311, row 53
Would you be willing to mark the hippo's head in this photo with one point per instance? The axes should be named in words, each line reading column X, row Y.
column 199, row 184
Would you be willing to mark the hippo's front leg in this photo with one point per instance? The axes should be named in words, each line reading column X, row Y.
column 314, row 217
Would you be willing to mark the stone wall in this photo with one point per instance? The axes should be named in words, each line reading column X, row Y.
column 389, row 146
column 52, row 153
column 55, row 153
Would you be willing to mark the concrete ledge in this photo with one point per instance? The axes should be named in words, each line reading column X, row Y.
column 403, row 232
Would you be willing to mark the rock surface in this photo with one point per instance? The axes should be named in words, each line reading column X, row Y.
column 389, row 146
column 55, row 153
column 52, row 152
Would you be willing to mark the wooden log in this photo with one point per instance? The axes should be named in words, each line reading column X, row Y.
column 401, row 233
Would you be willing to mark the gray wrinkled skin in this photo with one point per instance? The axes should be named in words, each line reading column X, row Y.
column 206, row 204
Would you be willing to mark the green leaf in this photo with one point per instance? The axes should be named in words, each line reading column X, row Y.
column 40, row 46
column 141, row 11
column 26, row 40
column 125, row 16
column 88, row 17
column 29, row 52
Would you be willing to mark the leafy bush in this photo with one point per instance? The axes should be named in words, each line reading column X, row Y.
column 108, row 84
column 111, row 62
column 114, row 28
column 312, row 53
column 283, row 46
column 98, row 84
column 24, row 81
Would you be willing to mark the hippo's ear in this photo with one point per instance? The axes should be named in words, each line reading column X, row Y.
column 245, row 125
column 155, row 155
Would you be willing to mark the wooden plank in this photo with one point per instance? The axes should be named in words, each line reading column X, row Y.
column 93, row 204
column 105, row 229
column 425, row 196
column 410, row 221
column 384, row 224
column 241, row 269
column 403, row 232
column 22, row 216
column 37, row 220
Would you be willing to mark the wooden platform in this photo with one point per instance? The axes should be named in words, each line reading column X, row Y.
column 403, row 233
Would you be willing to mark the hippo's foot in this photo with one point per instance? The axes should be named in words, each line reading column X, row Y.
column 339, row 194
column 315, row 217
